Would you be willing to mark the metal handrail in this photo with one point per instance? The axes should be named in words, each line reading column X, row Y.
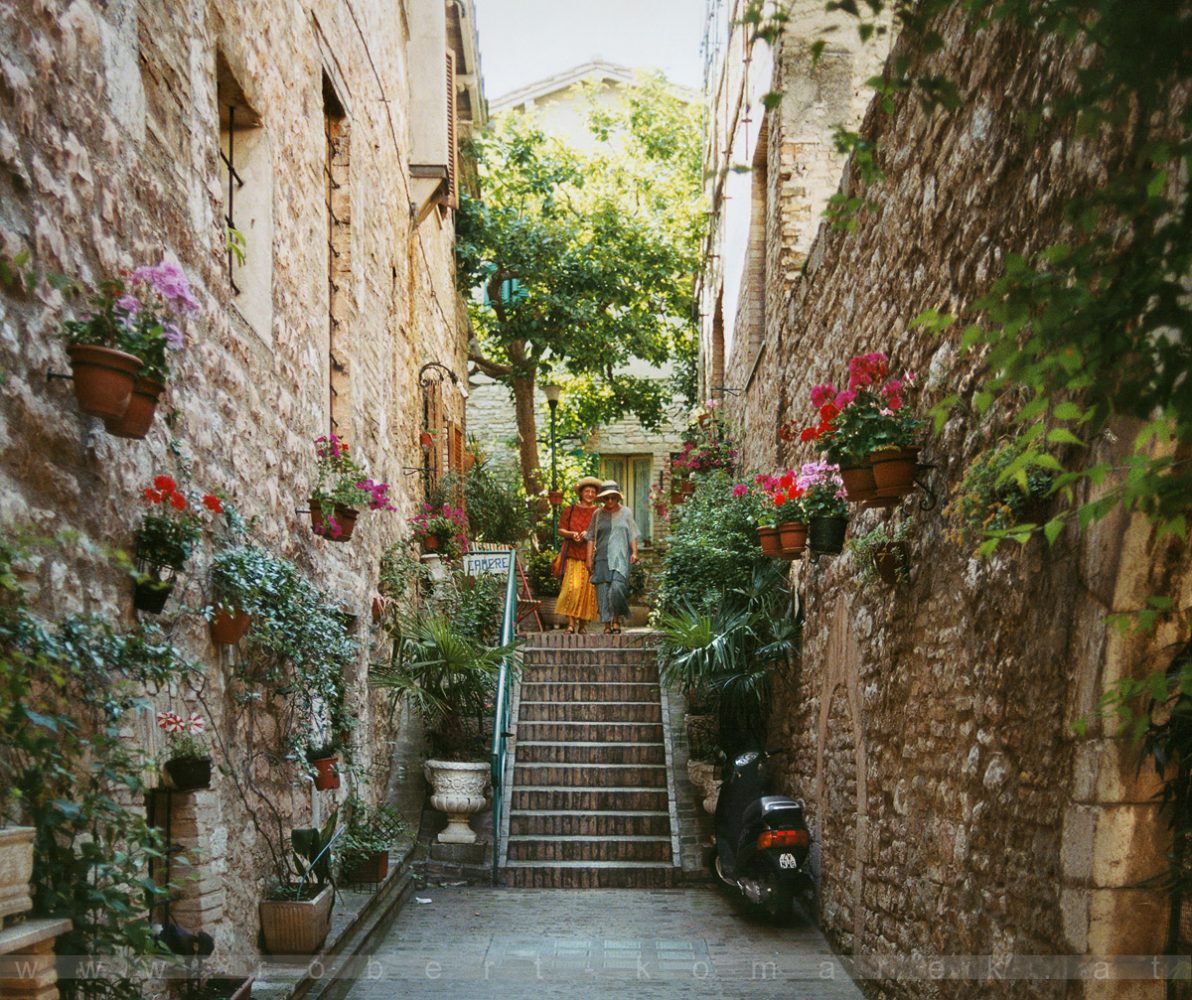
column 501, row 712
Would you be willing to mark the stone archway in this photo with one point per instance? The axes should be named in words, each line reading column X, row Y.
column 841, row 786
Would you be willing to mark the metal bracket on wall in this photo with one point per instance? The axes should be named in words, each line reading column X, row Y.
column 413, row 470
column 51, row 375
column 930, row 500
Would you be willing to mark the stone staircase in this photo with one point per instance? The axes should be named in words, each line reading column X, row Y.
column 592, row 795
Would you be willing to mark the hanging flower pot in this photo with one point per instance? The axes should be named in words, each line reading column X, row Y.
column 892, row 562
column 153, row 587
column 677, row 497
column 688, row 487
column 769, row 540
column 340, row 526
column 894, row 471
column 858, row 482
column 188, row 774
column 228, row 626
column 103, row 379
column 793, row 535
column 326, row 776
column 825, row 535
column 142, row 408
column 556, row 497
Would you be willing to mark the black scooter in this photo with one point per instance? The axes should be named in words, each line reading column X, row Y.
column 762, row 841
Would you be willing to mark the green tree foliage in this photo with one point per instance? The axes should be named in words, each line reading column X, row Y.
column 584, row 262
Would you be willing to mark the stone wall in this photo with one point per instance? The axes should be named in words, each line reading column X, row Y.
column 956, row 812
column 109, row 158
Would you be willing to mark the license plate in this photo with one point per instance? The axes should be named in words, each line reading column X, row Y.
column 787, row 861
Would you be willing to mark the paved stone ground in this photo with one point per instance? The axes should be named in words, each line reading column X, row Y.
column 477, row 941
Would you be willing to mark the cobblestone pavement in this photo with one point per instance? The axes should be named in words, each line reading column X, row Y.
column 580, row 943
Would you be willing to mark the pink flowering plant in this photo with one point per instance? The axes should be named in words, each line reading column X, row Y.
column 183, row 735
column 783, row 498
column 342, row 483
column 446, row 523
column 704, row 451
column 138, row 313
column 822, row 490
column 870, row 415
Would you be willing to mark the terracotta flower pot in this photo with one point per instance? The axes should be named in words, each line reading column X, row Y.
column 228, row 627
column 688, row 487
column 345, row 517
column 677, row 498
column 858, row 482
column 430, row 543
column 142, row 408
column 825, row 535
column 103, row 379
column 892, row 562
column 188, row 774
column 326, row 777
column 373, row 869
column 555, row 497
column 793, row 535
column 770, row 542
column 894, row 471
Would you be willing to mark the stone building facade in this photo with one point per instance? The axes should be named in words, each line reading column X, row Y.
column 117, row 124
column 955, row 810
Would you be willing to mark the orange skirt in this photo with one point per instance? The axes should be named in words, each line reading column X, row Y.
column 577, row 596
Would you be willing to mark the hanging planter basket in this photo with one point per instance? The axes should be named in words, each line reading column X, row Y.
column 103, row 379
column 326, row 775
column 892, row 562
column 859, row 483
column 894, row 471
column 770, row 541
column 155, row 583
column 142, row 408
column 825, row 535
column 188, row 774
column 345, row 517
column 229, row 627
column 793, row 535
column 688, row 487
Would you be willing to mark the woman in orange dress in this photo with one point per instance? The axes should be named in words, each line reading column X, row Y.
column 577, row 596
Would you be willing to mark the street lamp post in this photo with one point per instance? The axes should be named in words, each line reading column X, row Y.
column 552, row 393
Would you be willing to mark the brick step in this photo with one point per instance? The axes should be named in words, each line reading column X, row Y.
column 624, row 848
column 591, row 657
column 587, row 775
column 590, row 711
column 544, row 751
column 529, row 731
column 620, row 673
column 551, row 797
column 591, row 875
column 588, row 691
column 595, row 639
column 585, row 823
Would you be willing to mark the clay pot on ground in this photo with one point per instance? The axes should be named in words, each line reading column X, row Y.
column 345, row 517
column 825, row 535
column 551, row 619
column 371, row 869
column 16, row 869
column 457, row 789
column 639, row 616
column 793, row 536
column 187, row 774
column 768, row 538
column 892, row 562
column 858, row 482
column 142, row 408
column 702, row 732
column 703, row 775
column 894, row 471
column 103, row 379
column 326, row 775
column 296, row 926
column 229, row 627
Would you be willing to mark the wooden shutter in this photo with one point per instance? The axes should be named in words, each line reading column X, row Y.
column 452, row 194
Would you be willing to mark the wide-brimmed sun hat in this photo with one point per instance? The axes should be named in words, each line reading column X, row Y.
column 609, row 488
column 588, row 481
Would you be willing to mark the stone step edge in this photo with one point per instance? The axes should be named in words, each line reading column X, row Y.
column 585, row 722
column 530, row 701
column 631, row 838
column 591, row 743
column 659, row 865
column 571, row 789
column 588, row 812
column 581, row 764
column 652, row 684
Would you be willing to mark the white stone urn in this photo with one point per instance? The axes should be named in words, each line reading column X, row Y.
column 457, row 788
column 16, row 869
column 702, row 774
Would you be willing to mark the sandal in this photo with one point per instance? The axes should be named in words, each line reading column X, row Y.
column 616, row 630
column 608, row 630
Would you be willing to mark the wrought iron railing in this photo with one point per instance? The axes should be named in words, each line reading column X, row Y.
column 501, row 713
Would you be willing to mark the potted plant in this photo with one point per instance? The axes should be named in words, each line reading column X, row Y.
column 324, row 758
column 118, row 351
column 341, row 489
column 296, row 911
column 187, row 764
column 883, row 555
column 165, row 539
column 441, row 529
column 824, row 504
column 449, row 678
column 370, row 833
column 241, row 580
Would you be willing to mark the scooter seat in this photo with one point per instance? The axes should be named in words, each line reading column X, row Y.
column 773, row 811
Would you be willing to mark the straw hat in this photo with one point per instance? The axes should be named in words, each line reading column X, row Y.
column 609, row 488
column 587, row 481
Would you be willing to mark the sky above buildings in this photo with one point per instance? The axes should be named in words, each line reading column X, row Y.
column 523, row 41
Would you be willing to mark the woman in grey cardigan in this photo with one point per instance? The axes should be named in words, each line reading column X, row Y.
column 614, row 533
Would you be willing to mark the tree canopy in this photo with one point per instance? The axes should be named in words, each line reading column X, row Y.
column 583, row 262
